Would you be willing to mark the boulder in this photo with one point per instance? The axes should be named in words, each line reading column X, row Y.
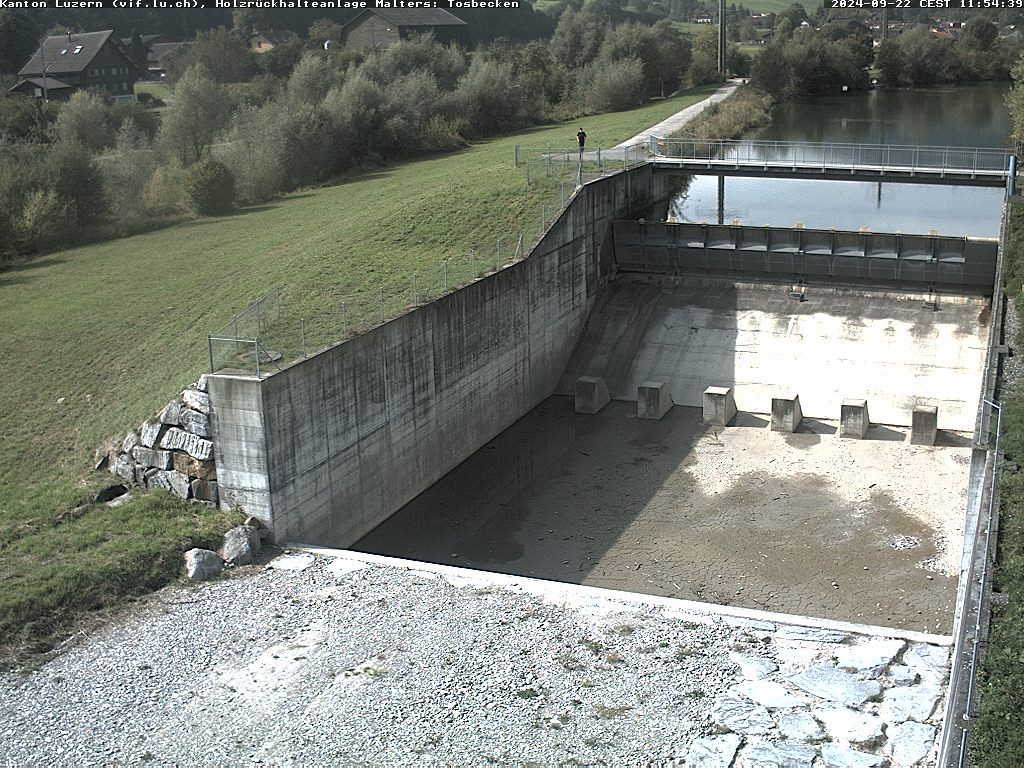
column 140, row 474
column 203, row 470
column 800, row 726
column 106, row 454
column 199, row 401
column 194, row 422
column 910, row 702
column 901, row 674
column 130, row 441
column 910, row 743
column 151, row 458
column 205, row 490
column 835, row 756
column 930, row 661
column 812, row 634
column 741, row 716
column 201, row 564
column 172, row 481
column 108, row 493
column 202, row 383
column 713, row 751
column 169, row 415
column 779, row 755
column 870, row 657
column 150, row 433
column 835, row 685
column 124, row 467
column 849, row 727
column 770, row 694
column 241, row 545
column 195, row 446
column 753, row 667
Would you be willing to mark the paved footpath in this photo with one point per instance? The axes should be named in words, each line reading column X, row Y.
column 679, row 119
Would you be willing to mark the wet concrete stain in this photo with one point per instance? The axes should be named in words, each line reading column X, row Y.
column 611, row 501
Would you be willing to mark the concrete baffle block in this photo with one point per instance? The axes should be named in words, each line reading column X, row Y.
column 786, row 413
column 853, row 419
column 653, row 400
column 924, row 425
column 719, row 406
column 591, row 394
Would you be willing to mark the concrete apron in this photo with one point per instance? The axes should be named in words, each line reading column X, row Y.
column 577, row 595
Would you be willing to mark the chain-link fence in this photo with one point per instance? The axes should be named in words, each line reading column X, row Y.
column 270, row 334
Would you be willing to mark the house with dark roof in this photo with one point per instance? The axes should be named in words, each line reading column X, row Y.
column 68, row 63
column 149, row 51
column 376, row 28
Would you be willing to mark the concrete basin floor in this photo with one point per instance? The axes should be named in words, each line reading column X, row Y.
column 867, row 531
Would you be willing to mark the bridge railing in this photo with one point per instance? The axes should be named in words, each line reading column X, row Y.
column 852, row 156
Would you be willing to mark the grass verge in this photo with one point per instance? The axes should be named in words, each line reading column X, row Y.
column 997, row 740
column 97, row 338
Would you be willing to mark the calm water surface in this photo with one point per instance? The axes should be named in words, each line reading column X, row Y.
column 963, row 116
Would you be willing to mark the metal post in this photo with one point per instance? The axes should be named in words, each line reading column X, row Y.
column 302, row 331
column 209, row 346
column 561, row 193
column 497, row 255
column 415, row 293
column 517, row 155
column 599, row 165
column 258, row 326
column 344, row 319
column 382, row 303
column 257, row 344
column 446, row 275
column 234, row 328
column 472, row 262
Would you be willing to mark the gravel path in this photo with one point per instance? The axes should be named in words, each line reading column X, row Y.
column 348, row 664
column 679, row 119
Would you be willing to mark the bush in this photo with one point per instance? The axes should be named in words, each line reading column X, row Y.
column 210, row 187
column 43, row 220
column 611, row 86
column 164, row 194
column 488, row 98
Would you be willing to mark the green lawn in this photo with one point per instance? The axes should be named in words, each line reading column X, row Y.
column 154, row 89
column 95, row 339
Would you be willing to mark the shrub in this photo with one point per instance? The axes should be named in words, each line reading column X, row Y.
column 611, row 86
column 488, row 98
column 44, row 219
column 164, row 194
column 210, row 187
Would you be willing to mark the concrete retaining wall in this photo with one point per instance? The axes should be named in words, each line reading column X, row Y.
column 329, row 448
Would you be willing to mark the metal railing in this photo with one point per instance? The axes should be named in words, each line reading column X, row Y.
column 559, row 162
column 874, row 157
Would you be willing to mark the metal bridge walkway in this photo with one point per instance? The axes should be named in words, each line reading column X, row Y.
column 966, row 166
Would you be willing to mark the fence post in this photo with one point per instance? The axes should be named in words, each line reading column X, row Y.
column 517, row 155
column 234, row 331
column 497, row 252
column 599, row 165
column 344, row 319
column 561, row 193
column 414, row 291
column 302, row 331
column 209, row 346
column 446, row 275
column 258, row 326
column 382, row 303
column 257, row 343
column 519, row 247
column 472, row 262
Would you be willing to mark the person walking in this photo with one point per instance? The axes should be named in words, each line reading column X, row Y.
column 581, row 137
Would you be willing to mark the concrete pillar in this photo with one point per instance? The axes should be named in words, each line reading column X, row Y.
column 653, row 400
column 719, row 406
column 591, row 394
column 853, row 419
column 786, row 413
column 924, row 425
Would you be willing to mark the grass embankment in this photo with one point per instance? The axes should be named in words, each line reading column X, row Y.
column 95, row 339
column 998, row 741
column 745, row 111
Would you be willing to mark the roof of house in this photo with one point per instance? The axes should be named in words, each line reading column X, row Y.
column 413, row 17
column 157, row 51
column 68, row 53
column 275, row 36
column 51, row 83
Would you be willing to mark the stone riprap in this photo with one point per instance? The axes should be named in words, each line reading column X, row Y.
column 342, row 661
column 173, row 451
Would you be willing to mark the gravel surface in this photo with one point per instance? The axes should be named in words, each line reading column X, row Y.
column 348, row 664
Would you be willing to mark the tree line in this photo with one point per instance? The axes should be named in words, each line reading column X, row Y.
column 235, row 135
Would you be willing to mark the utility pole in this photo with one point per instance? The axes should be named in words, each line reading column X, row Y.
column 721, row 38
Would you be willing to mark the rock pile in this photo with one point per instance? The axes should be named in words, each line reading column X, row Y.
column 173, row 451
column 241, row 546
